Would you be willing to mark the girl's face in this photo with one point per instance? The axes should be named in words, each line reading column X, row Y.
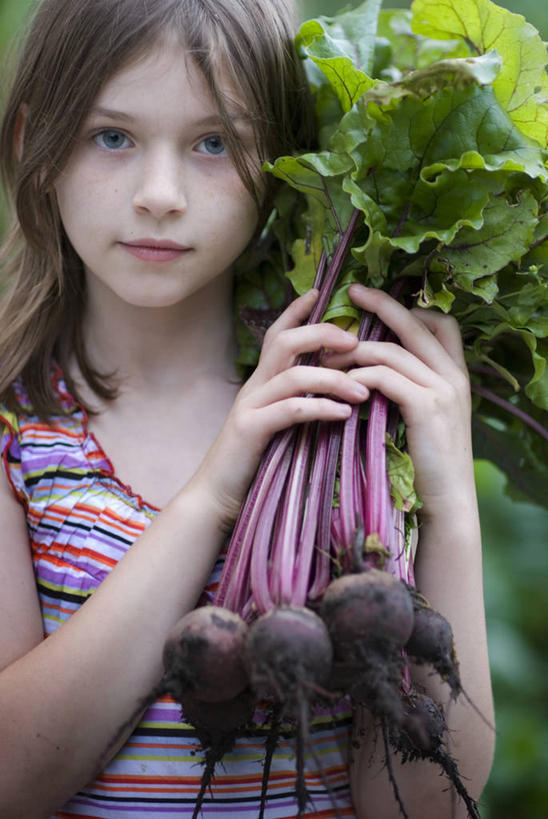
column 150, row 199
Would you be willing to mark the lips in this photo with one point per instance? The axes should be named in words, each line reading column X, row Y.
column 155, row 250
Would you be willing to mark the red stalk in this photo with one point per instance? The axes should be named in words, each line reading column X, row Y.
column 235, row 578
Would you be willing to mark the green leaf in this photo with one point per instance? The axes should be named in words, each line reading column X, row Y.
column 491, row 347
column 343, row 49
column 401, row 477
column 348, row 82
column 400, row 50
column 505, row 236
column 518, row 453
column 522, row 85
column 412, row 164
column 435, row 293
column 306, row 256
column 310, row 174
column 341, row 305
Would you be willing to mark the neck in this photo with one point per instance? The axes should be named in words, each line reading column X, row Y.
column 152, row 348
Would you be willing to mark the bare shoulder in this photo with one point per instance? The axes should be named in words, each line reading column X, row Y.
column 20, row 618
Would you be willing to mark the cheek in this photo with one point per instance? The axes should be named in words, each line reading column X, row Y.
column 245, row 215
column 81, row 202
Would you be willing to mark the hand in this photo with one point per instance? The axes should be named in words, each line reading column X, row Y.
column 427, row 377
column 281, row 392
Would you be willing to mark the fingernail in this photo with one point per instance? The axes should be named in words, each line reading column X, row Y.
column 360, row 390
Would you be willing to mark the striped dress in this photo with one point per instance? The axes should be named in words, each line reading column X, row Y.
column 81, row 520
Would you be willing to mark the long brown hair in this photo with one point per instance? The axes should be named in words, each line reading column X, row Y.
column 72, row 48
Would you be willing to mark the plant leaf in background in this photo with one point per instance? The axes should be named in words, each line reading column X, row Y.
column 522, row 86
column 342, row 48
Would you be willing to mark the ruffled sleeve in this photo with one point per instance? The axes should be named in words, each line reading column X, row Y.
column 11, row 453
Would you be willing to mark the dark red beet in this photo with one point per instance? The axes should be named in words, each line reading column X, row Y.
column 203, row 655
column 431, row 641
column 421, row 736
column 371, row 607
column 288, row 657
column 422, row 728
column 369, row 617
column 288, row 654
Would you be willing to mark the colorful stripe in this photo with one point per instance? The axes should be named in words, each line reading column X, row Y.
column 81, row 521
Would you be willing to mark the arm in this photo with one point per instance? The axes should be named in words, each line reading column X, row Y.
column 54, row 728
column 427, row 377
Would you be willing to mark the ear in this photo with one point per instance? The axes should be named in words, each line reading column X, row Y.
column 19, row 130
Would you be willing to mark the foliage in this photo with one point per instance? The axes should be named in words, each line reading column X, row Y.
column 441, row 150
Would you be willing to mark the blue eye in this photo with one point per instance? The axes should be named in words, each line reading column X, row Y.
column 214, row 145
column 112, row 140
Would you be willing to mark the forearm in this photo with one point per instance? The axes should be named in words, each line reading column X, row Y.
column 55, row 725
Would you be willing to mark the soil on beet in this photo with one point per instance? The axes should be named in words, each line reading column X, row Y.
column 288, row 652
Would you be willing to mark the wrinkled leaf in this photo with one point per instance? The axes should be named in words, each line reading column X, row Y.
column 342, row 48
column 506, row 234
column 522, row 85
column 510, row 447
column 401, row 476
column 399, row 49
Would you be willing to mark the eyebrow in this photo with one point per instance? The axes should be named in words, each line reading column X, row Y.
column 209, row 121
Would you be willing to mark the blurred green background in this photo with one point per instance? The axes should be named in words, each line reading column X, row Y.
column 515, row 569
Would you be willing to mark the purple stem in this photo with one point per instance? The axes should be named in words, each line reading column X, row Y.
column 235, row 576
column 236, row 566
column 334, row 269
column 351, row 504
column 322, row 556
column 376, row 506
column 347, row 497
column 320, row 272
column 260, row 553
column 511, row 408
column 305, row 556
column 284, row 548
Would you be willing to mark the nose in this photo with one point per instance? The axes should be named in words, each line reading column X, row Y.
column 159, row 190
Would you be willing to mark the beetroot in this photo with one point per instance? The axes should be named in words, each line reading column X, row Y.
column 203, row 655
column 369, row 608
column 421, row 735
column 431, row 641
column 204, row 672
column 369, row 617
column 423, row 727
column 288, row 655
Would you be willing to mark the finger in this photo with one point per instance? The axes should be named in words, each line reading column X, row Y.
column 446, row 329
column 295, row 313
column 368, row 353
column 283, row 347
column 413, row 333
column 309, row 381
column 395, row 386
column 295, row 410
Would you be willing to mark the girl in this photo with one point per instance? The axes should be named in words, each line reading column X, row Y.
column 132, row 143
